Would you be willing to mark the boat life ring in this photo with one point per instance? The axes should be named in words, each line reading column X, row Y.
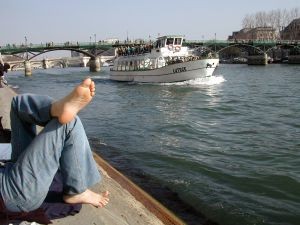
column 177, row 48
column 170, row 47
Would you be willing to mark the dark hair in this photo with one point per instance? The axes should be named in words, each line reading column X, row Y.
column 6, row 66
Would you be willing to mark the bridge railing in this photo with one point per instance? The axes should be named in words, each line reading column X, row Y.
column 53, row 45
column 246, row 41
column 9, row 48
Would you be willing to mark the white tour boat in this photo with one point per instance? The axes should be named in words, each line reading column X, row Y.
column 163, row 62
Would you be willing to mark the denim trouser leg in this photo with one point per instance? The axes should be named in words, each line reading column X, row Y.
column 27, row 111
column 25, row 183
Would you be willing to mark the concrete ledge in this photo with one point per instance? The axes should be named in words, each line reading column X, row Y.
column 161, row 212
column 6, row 95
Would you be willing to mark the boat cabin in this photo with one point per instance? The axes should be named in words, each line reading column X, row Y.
column 170, row 46
column 169, row 41
column 166, row 50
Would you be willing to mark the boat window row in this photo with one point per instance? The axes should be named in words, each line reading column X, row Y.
column 140, row 64
column 150, row 64
column 160, row 43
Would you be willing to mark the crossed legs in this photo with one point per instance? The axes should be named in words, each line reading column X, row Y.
column 62, row 144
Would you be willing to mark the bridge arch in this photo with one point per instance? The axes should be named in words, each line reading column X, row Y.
column 64, row 49
column 17, row 65
column 59, row 63
column 239, row 45
column 282, row 46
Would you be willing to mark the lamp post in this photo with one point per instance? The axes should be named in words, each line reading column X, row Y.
column 215, row 42
column 90, row 40
column 26, row 47
column 95, row 38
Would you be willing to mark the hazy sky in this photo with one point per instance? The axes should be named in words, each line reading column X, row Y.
column 78, row 20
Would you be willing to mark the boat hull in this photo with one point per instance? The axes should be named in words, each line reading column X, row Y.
column 171, row 73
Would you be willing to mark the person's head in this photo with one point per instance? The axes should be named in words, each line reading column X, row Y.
column 6, row 66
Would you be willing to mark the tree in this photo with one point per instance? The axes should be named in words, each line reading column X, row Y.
column 278, row 19
column 248, row 21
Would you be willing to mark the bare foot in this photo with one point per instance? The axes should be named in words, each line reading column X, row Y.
column 67, row 108
column 88, row 197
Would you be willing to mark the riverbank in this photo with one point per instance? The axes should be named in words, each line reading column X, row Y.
column 128, row 203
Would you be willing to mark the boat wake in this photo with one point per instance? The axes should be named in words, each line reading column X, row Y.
column 13, row 86
column 205, row 81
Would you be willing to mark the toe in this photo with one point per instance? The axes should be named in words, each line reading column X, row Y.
column 87, row 82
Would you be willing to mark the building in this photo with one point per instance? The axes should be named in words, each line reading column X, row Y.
column 111, row 40
column 263, row 33
column 292, row 31
column 257, row 33
column 240, row 35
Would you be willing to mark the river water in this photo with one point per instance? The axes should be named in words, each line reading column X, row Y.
column 225, row 147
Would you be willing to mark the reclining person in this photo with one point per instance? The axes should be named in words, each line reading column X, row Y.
column 3, row 68
column 62, row 144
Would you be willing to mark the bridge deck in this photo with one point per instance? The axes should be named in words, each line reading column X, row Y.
column 14, row 49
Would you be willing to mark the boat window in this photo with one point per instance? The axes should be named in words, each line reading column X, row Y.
column 142, row 66
column 158, row 44
column 177, row 41
column 135, row 65
column 170, row 41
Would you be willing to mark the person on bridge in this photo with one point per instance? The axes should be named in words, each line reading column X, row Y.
column 62, row 144
column 3, row 68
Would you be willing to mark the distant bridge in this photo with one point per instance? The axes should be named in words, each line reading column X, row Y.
column 90, row 50
column 94, row 49
column 258, row 46
column 57, row 62
column 258, row 50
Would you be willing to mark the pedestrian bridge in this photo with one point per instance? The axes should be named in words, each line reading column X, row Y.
column 87, row 49
column 95, row 49
column 91, row 50
column 261, row 46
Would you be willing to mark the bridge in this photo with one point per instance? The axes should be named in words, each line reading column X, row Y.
column 91, row 51
column 260, row 46
column 57, row 62
column 256, row 49
column 97, row 48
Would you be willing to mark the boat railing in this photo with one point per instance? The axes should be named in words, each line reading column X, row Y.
column 133, row 50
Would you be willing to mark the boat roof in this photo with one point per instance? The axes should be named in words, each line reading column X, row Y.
column 171, row 36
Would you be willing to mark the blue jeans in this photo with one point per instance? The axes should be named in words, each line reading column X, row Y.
column 37, row 157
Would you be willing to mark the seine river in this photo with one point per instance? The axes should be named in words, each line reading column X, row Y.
column 226, row 147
